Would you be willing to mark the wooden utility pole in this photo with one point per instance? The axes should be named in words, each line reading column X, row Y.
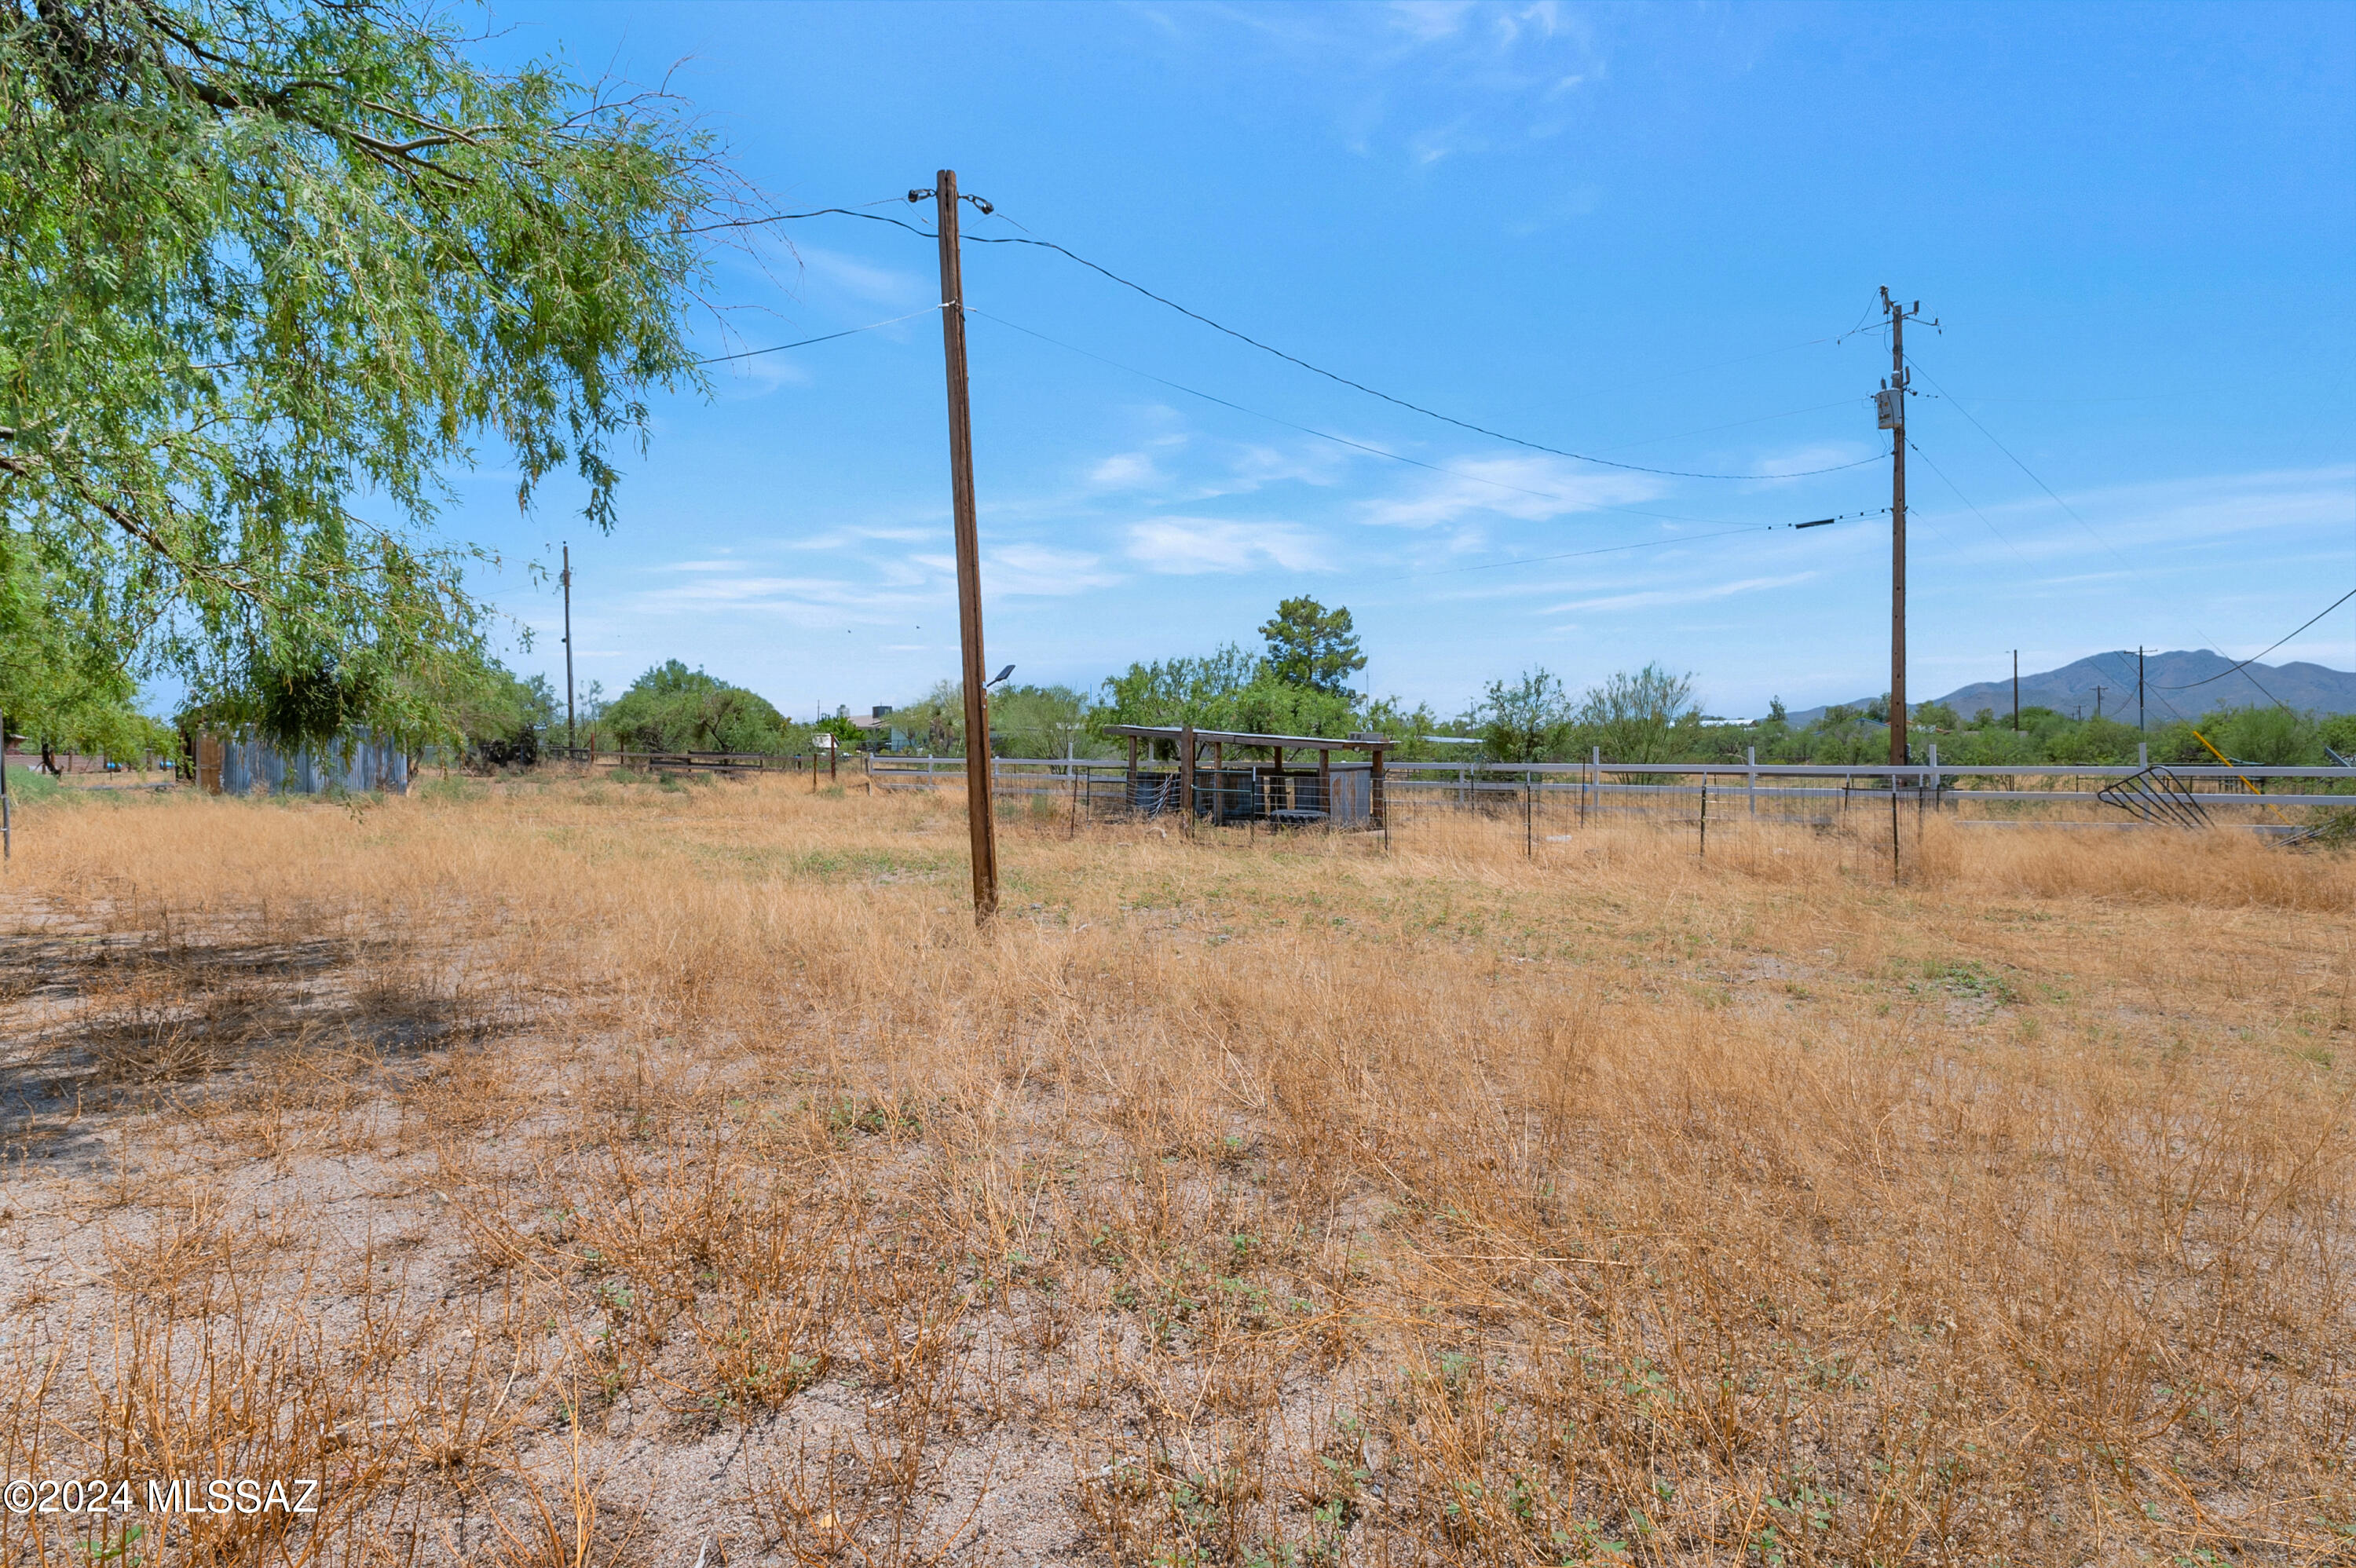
column 2016, row 691
column 1896, row 421
column 980, row 825
column 2139, row 686
column 567, row 579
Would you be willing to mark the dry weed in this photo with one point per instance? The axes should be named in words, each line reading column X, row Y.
column 576, row 1173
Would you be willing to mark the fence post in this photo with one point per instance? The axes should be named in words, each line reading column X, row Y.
column 1186, row 780
column 1705, row 813
column 1751, row 777
column 1893, row 829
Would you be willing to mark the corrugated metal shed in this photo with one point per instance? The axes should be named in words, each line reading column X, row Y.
column 359, row 761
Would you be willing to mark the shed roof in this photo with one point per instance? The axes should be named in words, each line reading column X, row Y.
column 1369, row 742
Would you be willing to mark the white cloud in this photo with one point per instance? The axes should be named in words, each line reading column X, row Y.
column 881, row 286
column 1528, row 489
column 759, row 376
column 1190, row 546
column 1806, row 459
column 1652, row 598
column 1432, row 144
column 1041, row 571
column 1429, row 21
column 1125, row 470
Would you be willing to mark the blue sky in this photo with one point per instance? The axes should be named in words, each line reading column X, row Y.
column 1638, row 233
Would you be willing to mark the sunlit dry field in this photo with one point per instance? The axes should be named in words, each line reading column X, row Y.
column 565, row 1172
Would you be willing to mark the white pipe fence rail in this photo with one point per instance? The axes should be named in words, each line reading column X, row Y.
column 1746, row 784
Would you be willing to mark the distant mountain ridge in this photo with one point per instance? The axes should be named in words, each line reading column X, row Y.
column 2072, row 690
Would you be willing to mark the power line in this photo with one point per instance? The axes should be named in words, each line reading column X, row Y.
column 1436, row 468
column 1948, row 398
column 2000, row 537
column 1954, row 402
column 1386, row 396
column 1572, row 555
column 2254, row 659
column 1966, row 501
column 1618, row 548
column 814, row 212
column 805, row 343
column 1737, row 424
column 1328, row 435
column 1295, row 359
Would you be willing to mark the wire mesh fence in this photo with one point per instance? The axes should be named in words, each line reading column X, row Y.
column 1553, row 799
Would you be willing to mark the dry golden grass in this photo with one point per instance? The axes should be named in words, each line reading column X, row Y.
column 565, row 1172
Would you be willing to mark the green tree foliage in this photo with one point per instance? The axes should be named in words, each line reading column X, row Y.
column 2261, row 736
column 504, row 718
column 847, row 736
column 62, row 685
column 1408, row 727
column 674, row 708
column 1527, row 721
column 1180, row 691
column 1040, row 721
column 1230, row 689
column 935, row 722
column 265, row 256
column 1646, row 717
column 1931, row 715
column 1311, row 647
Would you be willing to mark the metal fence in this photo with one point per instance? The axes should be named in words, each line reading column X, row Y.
column 696, row 761
column 1550, row 793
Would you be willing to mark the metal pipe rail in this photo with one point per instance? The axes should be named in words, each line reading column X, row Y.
column 751, row 762
column 1946, row 783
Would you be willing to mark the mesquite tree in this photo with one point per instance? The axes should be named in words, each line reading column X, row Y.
column 272, row 271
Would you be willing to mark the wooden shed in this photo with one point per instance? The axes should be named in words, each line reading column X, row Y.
column 1227, row 775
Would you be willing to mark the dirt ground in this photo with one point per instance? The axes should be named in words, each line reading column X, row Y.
column 579, row 1171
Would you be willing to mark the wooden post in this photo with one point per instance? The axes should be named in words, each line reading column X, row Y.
column 1325, row 783
column 1894, row 830
column 1898, row 755
column 1187, row 779
column 981, row 828
column 569, row 741
column 1751, row 777
column 1218, row 783
column 1705, row 815
column 1378, row 805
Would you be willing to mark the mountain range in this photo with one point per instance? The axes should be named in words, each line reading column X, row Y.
column 2181, row 684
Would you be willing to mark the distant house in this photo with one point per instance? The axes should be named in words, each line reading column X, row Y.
column 882, row 734
column 245, row 763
